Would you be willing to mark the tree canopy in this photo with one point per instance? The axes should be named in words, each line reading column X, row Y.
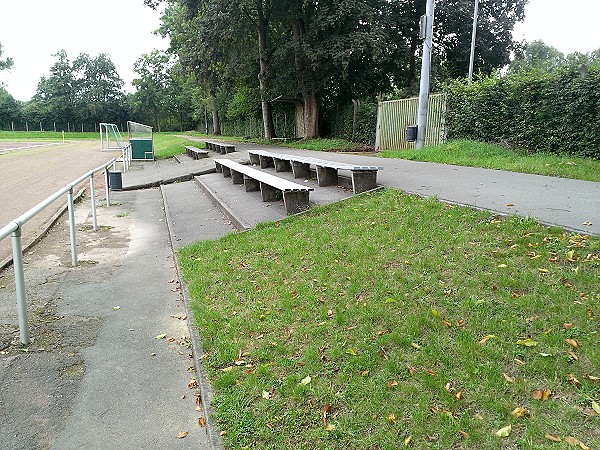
column 328, row 51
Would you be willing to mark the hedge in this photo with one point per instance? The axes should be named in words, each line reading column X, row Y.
column 556, row 112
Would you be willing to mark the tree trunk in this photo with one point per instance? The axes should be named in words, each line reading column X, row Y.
column 267, row 115
column 215, row 113
column 311, row 114
column 309, row 95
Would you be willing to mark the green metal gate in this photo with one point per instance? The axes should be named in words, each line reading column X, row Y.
column 395, row 115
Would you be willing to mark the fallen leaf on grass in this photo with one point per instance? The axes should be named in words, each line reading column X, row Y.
column 412, row 370
column 324, row 413
column 542, row 270
column 542, row 395
column 592, row 378
column 330, row 427
column 567, row 326
column 415, row 345
column 574, row 441
column 222, row 433
column 572, row 342
column 351, row 351
column 508, row 378
column 519, row 411
column 596, row 407
column 182, row 434
column 571, row 379
column 552, row 438
column 407, row 440
column 306, row 380
column 487, row 338
column 573, row 356
column 504, row 431
column 527, row 342
column 392, row 384
column 392, row 418
column 464, row 434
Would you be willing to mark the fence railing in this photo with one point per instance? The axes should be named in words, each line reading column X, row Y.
column 395, row 115
column 14, row 229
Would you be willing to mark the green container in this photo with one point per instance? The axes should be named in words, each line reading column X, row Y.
column 141, row 149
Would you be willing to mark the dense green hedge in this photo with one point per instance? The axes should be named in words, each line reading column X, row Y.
column 551, row 112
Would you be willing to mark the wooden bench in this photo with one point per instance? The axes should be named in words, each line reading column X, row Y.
column 195, row 153
column 272, row 188
column 219, row 148
column 364, row 178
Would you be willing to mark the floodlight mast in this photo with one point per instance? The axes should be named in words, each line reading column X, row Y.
column 473, row 36
column 425, row 70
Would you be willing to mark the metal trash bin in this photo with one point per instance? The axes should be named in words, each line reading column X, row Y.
column 115, row 181
column 411, row 133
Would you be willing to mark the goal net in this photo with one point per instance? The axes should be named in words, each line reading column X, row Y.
column 110, row 136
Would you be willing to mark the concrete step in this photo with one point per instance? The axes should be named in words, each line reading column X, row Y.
column 246, row 209
column 191, row 214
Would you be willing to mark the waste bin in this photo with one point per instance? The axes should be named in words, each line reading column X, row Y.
column 115, row 181
column 411, row 133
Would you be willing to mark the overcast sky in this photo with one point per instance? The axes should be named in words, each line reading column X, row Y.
column 32, row 30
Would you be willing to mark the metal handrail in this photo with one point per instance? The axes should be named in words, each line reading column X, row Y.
column 14, row 229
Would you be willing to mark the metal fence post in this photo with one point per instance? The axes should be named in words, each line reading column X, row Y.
column 107, row 189
column 72, row 227
column 93, row 196
column 20, row 286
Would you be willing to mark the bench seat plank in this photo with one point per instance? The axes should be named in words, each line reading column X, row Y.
column 364, row 178
column 272, row 188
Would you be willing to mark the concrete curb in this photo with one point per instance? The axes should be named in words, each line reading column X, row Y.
column 178, row 179
column 206, row 393
column 45, row 229
column 225, row 209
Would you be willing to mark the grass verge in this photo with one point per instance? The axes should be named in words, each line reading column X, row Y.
column 43, row 136
column 479, row 154
column 390, row 320
column 166, row 145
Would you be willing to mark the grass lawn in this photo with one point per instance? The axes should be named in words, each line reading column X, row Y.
column 478, row 154
column 391, row 321
column 167, row 145
column 15, row 136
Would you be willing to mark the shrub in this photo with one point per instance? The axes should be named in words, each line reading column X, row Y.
column 555, row 112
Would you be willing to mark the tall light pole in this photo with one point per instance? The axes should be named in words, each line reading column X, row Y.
column 474, row 34
column 426, row 35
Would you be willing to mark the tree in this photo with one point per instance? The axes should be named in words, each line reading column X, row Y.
column 5, row 63
column 99, row 89
column 152, row 84
column 57, row 92
column 538, row 55
column 494, row 43
column 10, row 109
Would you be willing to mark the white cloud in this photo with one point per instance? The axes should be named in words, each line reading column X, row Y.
column 32, row 30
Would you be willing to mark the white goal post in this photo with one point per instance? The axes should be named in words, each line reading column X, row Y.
column 110, row 136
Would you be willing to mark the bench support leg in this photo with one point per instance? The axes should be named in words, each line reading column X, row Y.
column 301, row 170
column 218, row 167
column 226, row 171
column 237, row 177
column 295, row 202
column 251, row 184
column 363, row 180
column 269, row 193
column 229, row 148
column 326, row 176
column 254, row 159
column 265, row 162
column 282, row 165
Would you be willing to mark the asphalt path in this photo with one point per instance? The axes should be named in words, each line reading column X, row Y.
column 31, row 172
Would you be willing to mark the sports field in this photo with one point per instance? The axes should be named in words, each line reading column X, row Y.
column 32, row 171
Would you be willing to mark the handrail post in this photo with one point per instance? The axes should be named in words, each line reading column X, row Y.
column 72, row 226
column 93, row 197
column 20, row 286
column 107, row 189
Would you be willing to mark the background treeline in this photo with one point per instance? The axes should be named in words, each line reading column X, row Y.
column 239, row 67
